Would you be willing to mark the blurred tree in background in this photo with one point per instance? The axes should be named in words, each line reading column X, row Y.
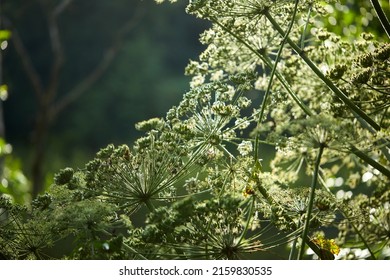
column 81, row 73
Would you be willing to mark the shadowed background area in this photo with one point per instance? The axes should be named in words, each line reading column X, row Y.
column 80, row 74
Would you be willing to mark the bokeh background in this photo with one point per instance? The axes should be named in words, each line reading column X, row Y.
column 121, row 62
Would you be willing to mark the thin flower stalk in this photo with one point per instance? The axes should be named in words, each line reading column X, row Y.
column 311, row 200
column 382, row 16
column 271, row 77
column 361, row 115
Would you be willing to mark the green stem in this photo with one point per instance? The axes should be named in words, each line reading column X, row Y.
column 271, row 201
column 294, row 245
column 287, row 87
column 134, row 251
column 363, row 239
column 381, row 15
column 361, row 115
column 370, row 161
column 299, row 102
column 249, row 219
column 305, row 29
column 269, row 64
column 150, row 205
column 311, row 200
column 271, row 77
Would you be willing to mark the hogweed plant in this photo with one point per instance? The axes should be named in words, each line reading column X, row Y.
column 280, row 149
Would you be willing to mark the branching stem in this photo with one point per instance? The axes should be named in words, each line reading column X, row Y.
column 362, row 116
column 271, row 77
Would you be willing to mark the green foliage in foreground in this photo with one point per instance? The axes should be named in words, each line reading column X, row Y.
column 195, row 186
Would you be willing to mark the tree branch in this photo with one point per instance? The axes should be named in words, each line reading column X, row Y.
column 28, row 66
column 109, row 55
column 58, row 58
column 57, row 49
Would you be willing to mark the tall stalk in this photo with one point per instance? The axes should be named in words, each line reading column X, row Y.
column 361, row 115
column 271, row 201
column 269, row 64
column 382, row 16
column 311, row 200
column 271, row 77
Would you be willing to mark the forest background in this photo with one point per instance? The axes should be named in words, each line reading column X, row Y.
column 112, row 64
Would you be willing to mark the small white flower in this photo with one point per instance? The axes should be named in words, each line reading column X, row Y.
column 245, row 147
column 197, row 81
column 325, row 106
column 261, row 83
column 241, row 123
column 217, row 76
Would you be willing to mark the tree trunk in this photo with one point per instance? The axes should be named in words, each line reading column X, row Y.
column 42, row 126
column 49, row 104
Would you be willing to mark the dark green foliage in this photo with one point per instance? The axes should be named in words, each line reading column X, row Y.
column 64, row 176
